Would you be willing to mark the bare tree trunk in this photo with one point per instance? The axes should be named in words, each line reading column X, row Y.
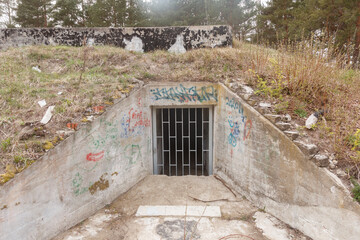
column 8, row 9
column 44, row 15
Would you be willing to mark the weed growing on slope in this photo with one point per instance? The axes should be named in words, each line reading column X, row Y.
column 356, row 190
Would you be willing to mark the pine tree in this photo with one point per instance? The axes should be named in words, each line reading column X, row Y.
column 134, row 13
column 33, row 13
column 67, row 13
column 107, row 13
column 275, row 20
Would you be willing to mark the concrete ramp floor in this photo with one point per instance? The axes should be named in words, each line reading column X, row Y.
column 239, row 218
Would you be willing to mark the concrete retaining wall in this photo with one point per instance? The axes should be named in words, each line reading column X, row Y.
column 269, row 169
column 174, row 39
column 107, row 157
column 81, row 175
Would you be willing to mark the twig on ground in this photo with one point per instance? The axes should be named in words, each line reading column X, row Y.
column 195, row 227
column 208, row 201
column 225, row 184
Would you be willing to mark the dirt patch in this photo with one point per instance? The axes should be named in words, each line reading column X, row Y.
column 100, row 185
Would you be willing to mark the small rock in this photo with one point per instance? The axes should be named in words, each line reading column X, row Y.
column 247, row 96
column 273, row 118
column 265, row 105
column 64, row 133
column 286, row 118
column 42, row 103
column 341, row 173
column 332, row 165
column 59, row 93
column 252, row 102
column 292, row 134
column 134, row 80
column 321, row 160
column 307, row 149
column 234, row 86
column 311, row 121
column 247, row 89
column 334, row 161
column 36, row 68
column 283, row 126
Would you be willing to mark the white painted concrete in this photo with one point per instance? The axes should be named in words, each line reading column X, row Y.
column 136, row 44
column 178, row 46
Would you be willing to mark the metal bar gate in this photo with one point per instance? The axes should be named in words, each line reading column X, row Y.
column 182, row 140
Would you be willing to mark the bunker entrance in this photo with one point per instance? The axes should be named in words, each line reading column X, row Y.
column 183, row 141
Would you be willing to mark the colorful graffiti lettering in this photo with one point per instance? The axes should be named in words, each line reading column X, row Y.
column 94, row 157
column 183, row 94
column 77, row 184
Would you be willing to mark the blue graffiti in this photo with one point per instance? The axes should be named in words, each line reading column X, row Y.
column 236, row 105
column 234, row 132
column 183, row 94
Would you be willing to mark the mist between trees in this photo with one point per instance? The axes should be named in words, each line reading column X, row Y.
column 279, row 21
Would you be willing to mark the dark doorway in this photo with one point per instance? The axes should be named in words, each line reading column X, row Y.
column 182, row 141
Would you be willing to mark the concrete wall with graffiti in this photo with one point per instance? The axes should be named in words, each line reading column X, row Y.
column 268, row 168
column 107, row 157
column 81, row 175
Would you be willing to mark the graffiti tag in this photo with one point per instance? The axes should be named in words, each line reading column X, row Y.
column 183, row 94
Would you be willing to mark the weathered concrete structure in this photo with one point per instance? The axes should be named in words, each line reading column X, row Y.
column 174, row 39
column 107, row 157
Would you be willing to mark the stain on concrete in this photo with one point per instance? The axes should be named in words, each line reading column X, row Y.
column 174, row 230
column 101, row 185
column 4, row 207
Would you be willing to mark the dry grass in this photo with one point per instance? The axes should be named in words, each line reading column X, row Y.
column 306, row 80
column 314, row 79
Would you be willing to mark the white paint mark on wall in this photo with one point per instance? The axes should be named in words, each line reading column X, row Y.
column 178, row 46
column 91, row 42
column 135, row 44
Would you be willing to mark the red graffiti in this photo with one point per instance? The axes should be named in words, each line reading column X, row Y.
column 247, row 129
column 94, row 157
column 72, row 125
column 98, row 109
column 136, row 118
